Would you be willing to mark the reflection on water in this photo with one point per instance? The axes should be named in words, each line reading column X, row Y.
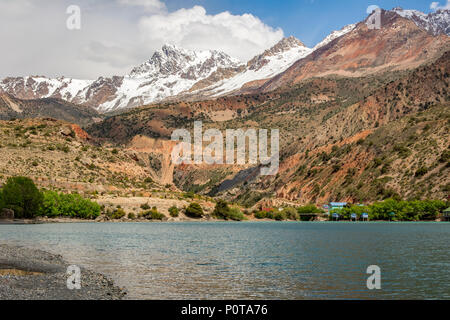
column 272, row 260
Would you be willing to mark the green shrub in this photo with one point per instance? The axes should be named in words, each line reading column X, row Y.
column 148, row 180
column 131, row 216
column 222, row 210
column 235, row 214
column 260, row 215
column 279, row 216
column 194, row 210
column 21, row 195
column 421, row 171
column 70, row 205
column 189, row 195
column 145, row 206
column 270, row 215
column 119, row 213
column 309, row 208
column 291, row 213
column 153, row 214
column 174, row 211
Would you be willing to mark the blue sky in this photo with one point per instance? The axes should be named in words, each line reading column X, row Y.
column 308, row 20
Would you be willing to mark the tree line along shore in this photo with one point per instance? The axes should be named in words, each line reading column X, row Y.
column 20, row 198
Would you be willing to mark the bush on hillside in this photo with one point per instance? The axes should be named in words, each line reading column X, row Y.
column 153, row 214
column 222, row 210
column 194, row 210
column 174, row 211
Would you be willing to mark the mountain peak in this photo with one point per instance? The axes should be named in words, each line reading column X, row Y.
column 283, row 45
column 172, row 60
column 436, row 23
column 291, row 42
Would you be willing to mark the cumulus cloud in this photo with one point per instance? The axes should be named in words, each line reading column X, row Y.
column 116, row 35
column 241, row 36
column 436, row 6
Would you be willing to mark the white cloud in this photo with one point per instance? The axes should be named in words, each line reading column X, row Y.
column 152, row 6
column 436, row 6
column 115, row 35
column 241, row 36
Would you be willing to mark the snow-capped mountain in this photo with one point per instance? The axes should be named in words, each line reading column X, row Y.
column 271, row 62
column 435, row 22
column 37, row 87
column 176, row 73
column 172, row 60
column 334, row 35
column 169, row 72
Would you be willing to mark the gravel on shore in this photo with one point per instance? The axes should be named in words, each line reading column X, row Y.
column 27, row 274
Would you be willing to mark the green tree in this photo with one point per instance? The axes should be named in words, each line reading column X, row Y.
column 2, row 202
column 194, row 210
column 280, row 216
column 291, row 213
column 235, row 214
column 260, row 215
column 68, row 205
column 222, row 210
column 309, row 208
column 173, row 211
column 21, row 195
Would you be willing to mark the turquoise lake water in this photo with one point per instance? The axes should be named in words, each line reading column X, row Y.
column 254, row 260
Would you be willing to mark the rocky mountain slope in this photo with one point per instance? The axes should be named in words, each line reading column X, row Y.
column 408, row 38
column 435, row 23
column 324, row 124
column 14, row 108
column 170, row 71
column 400, row 44
column 60, row 154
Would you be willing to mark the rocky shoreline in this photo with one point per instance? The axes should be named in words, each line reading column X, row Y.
column 28, row 274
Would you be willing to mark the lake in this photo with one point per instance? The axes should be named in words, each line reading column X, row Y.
column 254, row 260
